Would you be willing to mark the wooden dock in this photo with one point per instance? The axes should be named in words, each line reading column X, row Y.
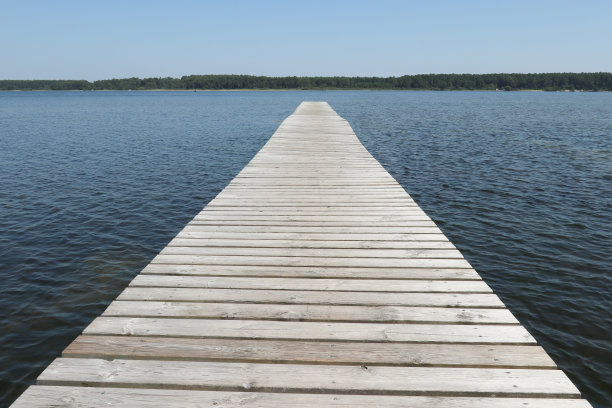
column 311, row 280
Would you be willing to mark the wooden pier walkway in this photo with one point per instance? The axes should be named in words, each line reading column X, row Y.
column 311, row 280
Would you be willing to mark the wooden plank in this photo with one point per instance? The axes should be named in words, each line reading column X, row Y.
column 286, row 351
column 346, row 174
column 345, row 189
column 307, row 196
column 328, row 183
column 309, row 212
column 315, row 220
column 314, row 208
column 477, row 300
column 52, row 396
column 304, row 243
column 313, row 272
column 325, row 331
column 406, row 208
column 190, row 232
column 313, row 200
column 343, row 285
column 353, row 190
column 319, row 230
column 317, row 252
column 381, row 314
column 310, row 261
column 312, row 378
column 221, row 202
column 207, row 216
column 393, row 224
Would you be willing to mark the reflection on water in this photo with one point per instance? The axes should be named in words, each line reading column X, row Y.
column 93, row 185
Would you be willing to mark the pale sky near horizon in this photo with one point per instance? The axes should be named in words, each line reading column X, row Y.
column 85, row 39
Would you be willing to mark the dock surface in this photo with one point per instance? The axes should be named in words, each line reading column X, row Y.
column 311, row 280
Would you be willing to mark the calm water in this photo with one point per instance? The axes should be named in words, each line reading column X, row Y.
column 93, row 185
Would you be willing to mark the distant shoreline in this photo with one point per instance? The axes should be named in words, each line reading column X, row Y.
column 299, row 89
column 585, row 81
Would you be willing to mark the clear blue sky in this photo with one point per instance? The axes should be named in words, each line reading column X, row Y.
column 84, row 39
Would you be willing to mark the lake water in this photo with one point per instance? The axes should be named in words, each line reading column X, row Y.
column 94, row 184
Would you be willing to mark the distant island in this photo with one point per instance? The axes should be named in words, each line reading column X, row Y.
column 592, row 81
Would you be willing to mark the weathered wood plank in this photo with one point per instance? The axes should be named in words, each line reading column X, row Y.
column 310, row 213
column 312, row 378
column 192, row 232
column 313, row 272
column 296, row 192
column 291, row 351
column 393, row 224
column 446, row 253
column 207, row 216
column 325, row 331
column 317, row 209
column 400, row 210
column 381, row 314
column 259, row 243
column 76, row 397
column 221, row 202
column 343, row 285
column 310, row 261
column 346, row 189
column 330, row 230
column 477, row 300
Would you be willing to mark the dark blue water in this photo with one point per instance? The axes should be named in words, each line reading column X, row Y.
column 93, row 185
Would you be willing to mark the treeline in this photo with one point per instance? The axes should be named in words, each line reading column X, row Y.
column 45, row 85
column 597, row 81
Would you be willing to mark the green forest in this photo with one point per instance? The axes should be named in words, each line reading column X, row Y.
column 596, row 81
